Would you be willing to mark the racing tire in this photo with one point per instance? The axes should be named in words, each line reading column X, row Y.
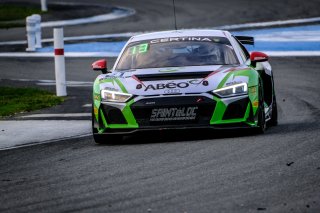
column 106, row 139
column 261, row 116
column 274, row 116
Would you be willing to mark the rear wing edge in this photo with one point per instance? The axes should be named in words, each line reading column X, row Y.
column 246, row 39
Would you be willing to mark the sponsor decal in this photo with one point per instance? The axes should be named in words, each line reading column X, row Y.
column 172, row 85
column 139, row 86
column 150, row 103
column 169, row 70
column 172, row 91
column 255, row 103
column 233, row 83
column 174, row 114
column 179, row 39
column 194, row 82
column 96, row 97
column 205, row 83
column 236, row 69
column 107, row 78
column 110, row 89
column 95, row 110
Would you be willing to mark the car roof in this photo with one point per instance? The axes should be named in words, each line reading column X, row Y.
column 178, row 33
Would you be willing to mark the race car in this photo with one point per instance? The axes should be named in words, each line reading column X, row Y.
column 183, row 79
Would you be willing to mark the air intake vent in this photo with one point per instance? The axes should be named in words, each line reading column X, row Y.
column 173, row 76
column 236, row 109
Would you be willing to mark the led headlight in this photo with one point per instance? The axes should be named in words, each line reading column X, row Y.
column 114, row 96
column 233, row 90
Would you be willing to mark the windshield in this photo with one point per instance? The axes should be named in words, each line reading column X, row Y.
column 177, row 52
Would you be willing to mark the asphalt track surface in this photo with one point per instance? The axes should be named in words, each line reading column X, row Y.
column 176, row 171
column 153, row 15
column 181, row 171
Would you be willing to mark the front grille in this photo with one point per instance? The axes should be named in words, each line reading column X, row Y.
column 167, row 111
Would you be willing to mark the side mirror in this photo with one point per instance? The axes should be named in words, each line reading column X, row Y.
column 258, row 57
column 100, row 65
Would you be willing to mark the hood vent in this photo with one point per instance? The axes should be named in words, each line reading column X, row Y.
column 173, row 76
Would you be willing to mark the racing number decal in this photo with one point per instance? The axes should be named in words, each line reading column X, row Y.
column 141, row 48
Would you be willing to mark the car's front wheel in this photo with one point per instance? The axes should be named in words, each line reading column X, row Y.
column 261, row 128
column 261, row 122
column 274, row 116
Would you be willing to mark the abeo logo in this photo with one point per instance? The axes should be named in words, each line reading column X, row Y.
column 167, row 86
column 172, row 85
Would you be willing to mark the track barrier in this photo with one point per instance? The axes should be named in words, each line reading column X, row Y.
column 59, row 62
column 44, row 7
column 37, row 18
column 31, row 33
column 33, row 27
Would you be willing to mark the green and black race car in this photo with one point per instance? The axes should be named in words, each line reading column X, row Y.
column 183, row 79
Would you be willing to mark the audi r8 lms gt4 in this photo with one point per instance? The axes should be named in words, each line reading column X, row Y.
column 183, row 79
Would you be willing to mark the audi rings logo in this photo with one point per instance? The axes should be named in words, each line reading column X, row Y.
column 171, row 91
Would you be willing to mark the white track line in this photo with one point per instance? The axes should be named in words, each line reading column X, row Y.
column 269, row 23
column 292, row 53
column 79, row 38
column 69, row 84
column 46, row 141
column 87, row 105
column 65, row 115
column 116, row 14
column 225, row 27
column 52, row 81
column 67, row 54
column 37, row 131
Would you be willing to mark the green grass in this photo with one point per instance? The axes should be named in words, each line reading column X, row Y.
column 15, row 100
column 9, row 12
column 11, row 25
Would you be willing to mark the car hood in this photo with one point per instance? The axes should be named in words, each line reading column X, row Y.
column 175, row 80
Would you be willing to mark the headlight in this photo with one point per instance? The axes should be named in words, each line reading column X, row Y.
column 233, row 90
column 113, row 96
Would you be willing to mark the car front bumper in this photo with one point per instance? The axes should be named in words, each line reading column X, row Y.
column 162, row 112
